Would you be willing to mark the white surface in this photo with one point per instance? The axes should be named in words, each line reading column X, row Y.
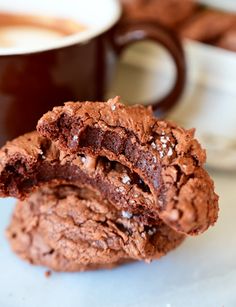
column 98, row 16
column 228, row 5
column 201, row 272
column 208, row 103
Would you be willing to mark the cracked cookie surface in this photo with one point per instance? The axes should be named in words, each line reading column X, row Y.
column 71, row 229
column 149, row 166
column 166, row 157
column 145, row 175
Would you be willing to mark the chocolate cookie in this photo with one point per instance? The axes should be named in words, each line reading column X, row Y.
column 148, row 167
column 168, row 12
column 68, row 228
column 228, row 40
column 208, row 26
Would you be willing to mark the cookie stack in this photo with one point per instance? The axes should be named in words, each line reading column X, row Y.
column 100, row 184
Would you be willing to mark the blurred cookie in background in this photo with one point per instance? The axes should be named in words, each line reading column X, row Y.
column 168, row 12
column 228, row 40
column 189, row 19
column 208, row 26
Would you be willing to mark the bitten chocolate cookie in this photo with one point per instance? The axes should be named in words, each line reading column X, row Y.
column 102, row 184
column 142, row 165
column 72, row 229
column 165, row 159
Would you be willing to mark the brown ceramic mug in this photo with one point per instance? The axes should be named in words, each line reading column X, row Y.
column 41, row 71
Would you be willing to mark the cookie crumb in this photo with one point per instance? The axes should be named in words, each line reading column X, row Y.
column 48, row 273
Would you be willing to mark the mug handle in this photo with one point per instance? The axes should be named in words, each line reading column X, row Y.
column 130, row 32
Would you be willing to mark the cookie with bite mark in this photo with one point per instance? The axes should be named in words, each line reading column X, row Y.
column 148, row 167
column 70, row 228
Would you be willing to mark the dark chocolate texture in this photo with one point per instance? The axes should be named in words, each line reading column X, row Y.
column 149, row 167
column 72, row 229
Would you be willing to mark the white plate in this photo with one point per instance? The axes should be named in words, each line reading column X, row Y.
column 201, row 272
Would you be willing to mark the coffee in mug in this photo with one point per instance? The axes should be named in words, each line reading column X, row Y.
column 22, row 30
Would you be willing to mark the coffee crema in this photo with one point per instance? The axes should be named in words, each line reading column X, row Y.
column 25, row 30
